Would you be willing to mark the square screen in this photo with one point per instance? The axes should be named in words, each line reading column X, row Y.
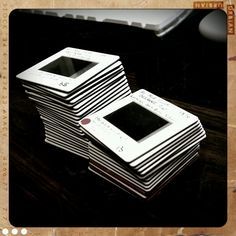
column 67, row 66
column 136, row 121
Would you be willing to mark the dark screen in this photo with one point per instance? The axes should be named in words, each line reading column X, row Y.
column 135, row 121
column 67, row 66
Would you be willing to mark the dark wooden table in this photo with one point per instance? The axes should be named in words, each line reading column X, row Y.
column 51, row 187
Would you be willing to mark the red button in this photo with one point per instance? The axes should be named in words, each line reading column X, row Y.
column 85, row 121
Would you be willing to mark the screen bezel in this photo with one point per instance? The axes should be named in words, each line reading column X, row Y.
column 63, row 83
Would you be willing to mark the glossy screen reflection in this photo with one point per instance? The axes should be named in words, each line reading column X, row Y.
column 136, row 121
column 68, row 67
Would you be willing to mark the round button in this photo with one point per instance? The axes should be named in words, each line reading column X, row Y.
column 14, row 231
column 85, row 121
column 23, row 231
column 5, row 231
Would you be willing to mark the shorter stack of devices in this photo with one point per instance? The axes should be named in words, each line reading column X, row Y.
column 142, row 141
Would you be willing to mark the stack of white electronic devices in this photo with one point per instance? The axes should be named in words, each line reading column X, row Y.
column 141, row 141
column 70, row 85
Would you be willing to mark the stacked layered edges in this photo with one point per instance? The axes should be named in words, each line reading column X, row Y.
column 141, row 142
column 70, row 85
column 137, row 141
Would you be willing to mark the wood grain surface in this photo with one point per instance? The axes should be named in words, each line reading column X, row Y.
column 6, row 6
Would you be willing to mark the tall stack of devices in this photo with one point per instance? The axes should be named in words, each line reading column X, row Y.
column 137, row 141
column 70, row 85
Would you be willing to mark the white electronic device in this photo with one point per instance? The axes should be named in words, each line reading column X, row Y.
column 68, row 69
column 137, row 124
